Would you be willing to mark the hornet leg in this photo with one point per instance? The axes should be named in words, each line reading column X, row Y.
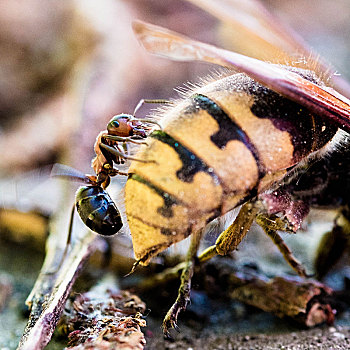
column 270, row 227
column 229, row 239
column 183, row 297
column 334, row 244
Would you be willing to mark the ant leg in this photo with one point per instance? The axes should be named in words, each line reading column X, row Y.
column 270, row 227
column 125, row 148
column 108, row 171
column 122, row 155
column 149, row 121
column 70, row 229
column 125, row 139
column 229, row 239
column 183, row 297
column 117, row 172
column 69, row 240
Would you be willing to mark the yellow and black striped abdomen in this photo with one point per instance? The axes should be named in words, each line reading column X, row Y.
column 223, row 145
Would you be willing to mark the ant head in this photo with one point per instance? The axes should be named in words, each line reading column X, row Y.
column 120, row 125
column 125, row 125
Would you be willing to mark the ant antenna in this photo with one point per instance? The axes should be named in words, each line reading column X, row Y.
column 141, row 103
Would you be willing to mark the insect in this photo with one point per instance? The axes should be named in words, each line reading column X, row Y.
column 94, row 205
column 233, row 142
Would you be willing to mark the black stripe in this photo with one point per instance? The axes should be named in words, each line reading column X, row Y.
column 228, row 129
column 191, row 163
column 166, row 210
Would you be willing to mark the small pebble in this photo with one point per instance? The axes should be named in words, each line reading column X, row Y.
column 339, row 335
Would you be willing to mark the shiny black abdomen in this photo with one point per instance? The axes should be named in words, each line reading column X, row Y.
column 97, row 210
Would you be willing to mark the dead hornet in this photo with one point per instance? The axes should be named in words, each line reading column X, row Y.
column 94, row 205
column 232, row 142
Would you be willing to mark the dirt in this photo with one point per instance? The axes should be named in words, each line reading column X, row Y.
column 320, row 338
column 235, row 326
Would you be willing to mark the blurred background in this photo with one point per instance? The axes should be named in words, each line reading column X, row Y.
column 66, row 68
